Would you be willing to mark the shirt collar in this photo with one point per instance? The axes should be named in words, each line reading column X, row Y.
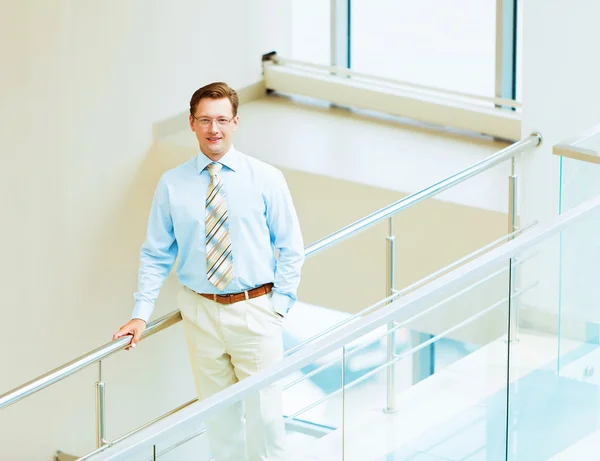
column 230, row 160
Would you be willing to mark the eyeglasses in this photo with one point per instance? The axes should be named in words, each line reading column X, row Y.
column 221, row 121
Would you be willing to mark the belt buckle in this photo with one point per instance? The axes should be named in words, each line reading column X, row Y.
column 246, row 295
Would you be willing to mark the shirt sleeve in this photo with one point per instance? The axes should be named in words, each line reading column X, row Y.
column 157, row 255
column 286, row 237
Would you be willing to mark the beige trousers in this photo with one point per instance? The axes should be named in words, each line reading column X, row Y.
column 227, row 343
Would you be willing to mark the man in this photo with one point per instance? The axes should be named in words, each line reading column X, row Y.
column 225, row 213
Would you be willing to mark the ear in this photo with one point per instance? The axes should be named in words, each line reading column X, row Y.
column 236, row 122
column 193, row 128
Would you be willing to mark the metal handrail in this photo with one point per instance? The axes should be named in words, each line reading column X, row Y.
column 369, row 309
column 85, row 360
column 397, row 326
column 509, row 152
column 172, row 318
column 107, row 445
column 351, row 384
column 411, row 287
column 448, row 283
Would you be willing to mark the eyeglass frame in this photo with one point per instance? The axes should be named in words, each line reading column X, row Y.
column 211, row 120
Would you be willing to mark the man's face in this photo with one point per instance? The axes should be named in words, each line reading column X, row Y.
column 214, row 124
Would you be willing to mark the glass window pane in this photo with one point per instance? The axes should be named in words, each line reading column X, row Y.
column 311, row 26
column 449, row 45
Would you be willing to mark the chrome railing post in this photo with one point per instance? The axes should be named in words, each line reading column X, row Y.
column 343, row 402
column 100, row 407
column 512, row 227
column 391, row 338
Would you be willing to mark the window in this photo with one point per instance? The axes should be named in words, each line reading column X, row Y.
column 439, row 43
column 450, row 45
column 311, row 31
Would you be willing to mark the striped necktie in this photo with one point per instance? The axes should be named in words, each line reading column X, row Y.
column 219, row 261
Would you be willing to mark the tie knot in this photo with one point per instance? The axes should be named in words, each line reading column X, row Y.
column 214, row 168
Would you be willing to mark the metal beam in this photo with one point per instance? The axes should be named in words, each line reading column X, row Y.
column 506, row 48
column 340, row 33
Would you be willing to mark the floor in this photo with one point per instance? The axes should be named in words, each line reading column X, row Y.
column 459, row 414
column 549, row 414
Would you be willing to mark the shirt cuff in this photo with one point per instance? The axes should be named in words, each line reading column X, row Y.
column 142, row 310
column 281, row 303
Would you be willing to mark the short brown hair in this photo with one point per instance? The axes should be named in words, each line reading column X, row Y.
column 215, row 90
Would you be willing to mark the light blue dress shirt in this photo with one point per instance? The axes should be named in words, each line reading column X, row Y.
column 262, row 218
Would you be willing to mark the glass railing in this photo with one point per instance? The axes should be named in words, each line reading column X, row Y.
column 553, row 400
column 522, row 389
column 573, row 390
column 579, row 182
column 116, row 376
column 579, row 168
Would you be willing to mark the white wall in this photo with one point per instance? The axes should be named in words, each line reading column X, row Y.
column 81, row 84
column 561, row 96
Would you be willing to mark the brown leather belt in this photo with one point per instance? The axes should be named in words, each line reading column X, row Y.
column 237, row 297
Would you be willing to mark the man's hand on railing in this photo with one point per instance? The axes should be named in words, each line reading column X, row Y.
column 135, row 328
